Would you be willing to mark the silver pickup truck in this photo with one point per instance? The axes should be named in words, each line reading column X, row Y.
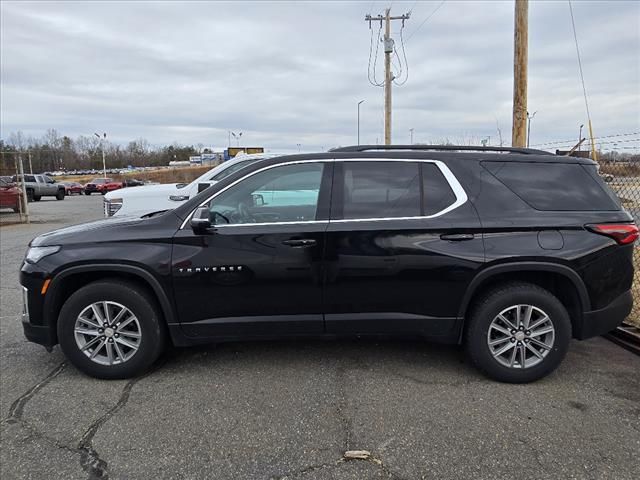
column 38, row 186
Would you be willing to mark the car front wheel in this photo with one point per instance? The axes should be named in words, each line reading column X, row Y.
column 518, row 333
column 111, row 329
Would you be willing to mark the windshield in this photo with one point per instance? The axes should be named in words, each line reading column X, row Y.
column 220, row 172
column 100, row 180
column 232, row 169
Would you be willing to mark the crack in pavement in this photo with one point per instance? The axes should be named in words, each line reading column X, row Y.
column 17, row 407
column 90, row 460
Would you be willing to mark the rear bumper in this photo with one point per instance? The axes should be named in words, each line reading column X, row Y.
column 598, row 322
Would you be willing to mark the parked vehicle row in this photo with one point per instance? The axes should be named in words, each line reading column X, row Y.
column 38, row 186
column 511, row 252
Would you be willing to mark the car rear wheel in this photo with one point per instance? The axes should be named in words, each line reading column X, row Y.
column 29, row 195
column 36, row 198
column 111, row 329
column 87, row 193
column 518, row 333
column 60, row 195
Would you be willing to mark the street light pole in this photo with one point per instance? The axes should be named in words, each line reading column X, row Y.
column 361, row 101
column 104, row 162
column 411, row 132
column 580, row 138
column 529, row 118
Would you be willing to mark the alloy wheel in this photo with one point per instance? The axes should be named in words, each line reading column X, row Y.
column 520, row 336
column 108, row 333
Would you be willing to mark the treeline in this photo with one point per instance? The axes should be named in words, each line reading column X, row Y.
column 54, row 152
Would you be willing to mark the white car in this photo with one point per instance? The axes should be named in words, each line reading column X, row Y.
column 139, row 201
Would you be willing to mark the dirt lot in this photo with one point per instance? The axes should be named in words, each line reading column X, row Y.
column 164, row 175
column 291, row 409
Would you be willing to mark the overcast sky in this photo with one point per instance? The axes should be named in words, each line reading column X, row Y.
column 288, row 73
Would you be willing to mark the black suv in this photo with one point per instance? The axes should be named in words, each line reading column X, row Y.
column 510, row 251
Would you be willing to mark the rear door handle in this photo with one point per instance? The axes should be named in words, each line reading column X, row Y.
column 457, row 237
column 300, row 242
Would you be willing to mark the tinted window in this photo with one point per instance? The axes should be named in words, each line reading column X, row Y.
column 381, row 190
column 553, row 186
column 437, row 191
column 288, row 193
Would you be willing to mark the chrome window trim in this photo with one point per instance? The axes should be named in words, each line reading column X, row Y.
column 262, row 224
column 456, row 187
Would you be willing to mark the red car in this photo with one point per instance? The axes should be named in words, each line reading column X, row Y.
column 72, row 187
column 10, row 195
column 101, row 185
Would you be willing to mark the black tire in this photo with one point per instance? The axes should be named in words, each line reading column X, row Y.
column 139, row 302
column 36, row 198
column 495, row 301
column 87, row 193
column 29, row 195
column 60, row 195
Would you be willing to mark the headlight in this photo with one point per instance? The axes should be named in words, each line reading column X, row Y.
column 111, row 206
column 34, row 254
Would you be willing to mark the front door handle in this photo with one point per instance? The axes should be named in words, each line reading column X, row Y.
column 300, row 242
column 457, row 237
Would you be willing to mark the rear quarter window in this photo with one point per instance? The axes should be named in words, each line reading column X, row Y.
column 555, row 186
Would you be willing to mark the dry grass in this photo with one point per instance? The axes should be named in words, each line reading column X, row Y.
column 166, row 175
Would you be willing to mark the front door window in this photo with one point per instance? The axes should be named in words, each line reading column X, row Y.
column 287, row 193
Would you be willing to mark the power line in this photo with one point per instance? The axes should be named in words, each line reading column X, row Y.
column 554, row 142
column 426, row 19
column 584, row 89
column 374, row 82
column 404, row 54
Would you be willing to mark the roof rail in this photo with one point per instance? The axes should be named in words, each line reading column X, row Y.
column 454, row 148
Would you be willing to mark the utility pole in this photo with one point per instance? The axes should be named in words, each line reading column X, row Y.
column 580, row 138
column 411, row 135
column 529, row 118
column 388, row 75
column 104, row 162
column 30, row 166
column 520, row 54
column 25, row 200
column 359, row 103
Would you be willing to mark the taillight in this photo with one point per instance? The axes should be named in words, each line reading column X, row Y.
column 623, row 233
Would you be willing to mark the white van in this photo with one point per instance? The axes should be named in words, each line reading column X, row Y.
column 140, row 201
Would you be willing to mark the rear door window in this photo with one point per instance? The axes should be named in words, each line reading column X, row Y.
column 554, row 186
column 380, row 190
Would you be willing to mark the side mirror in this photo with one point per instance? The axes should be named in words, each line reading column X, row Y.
column 200, row 221
column 203, row 186
column 258, row 200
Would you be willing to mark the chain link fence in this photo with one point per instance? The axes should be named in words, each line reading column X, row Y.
column 624, row 178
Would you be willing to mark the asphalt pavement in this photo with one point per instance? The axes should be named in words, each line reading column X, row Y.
column 291, row 409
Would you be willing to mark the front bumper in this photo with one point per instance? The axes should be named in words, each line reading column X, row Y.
column 41, row 334
column 35, row 325
column 599, row 322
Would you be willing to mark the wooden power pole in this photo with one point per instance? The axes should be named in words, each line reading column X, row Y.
column 520, row 54
column 388, row 75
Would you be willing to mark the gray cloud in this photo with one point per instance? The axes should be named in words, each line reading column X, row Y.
column 292, row 72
